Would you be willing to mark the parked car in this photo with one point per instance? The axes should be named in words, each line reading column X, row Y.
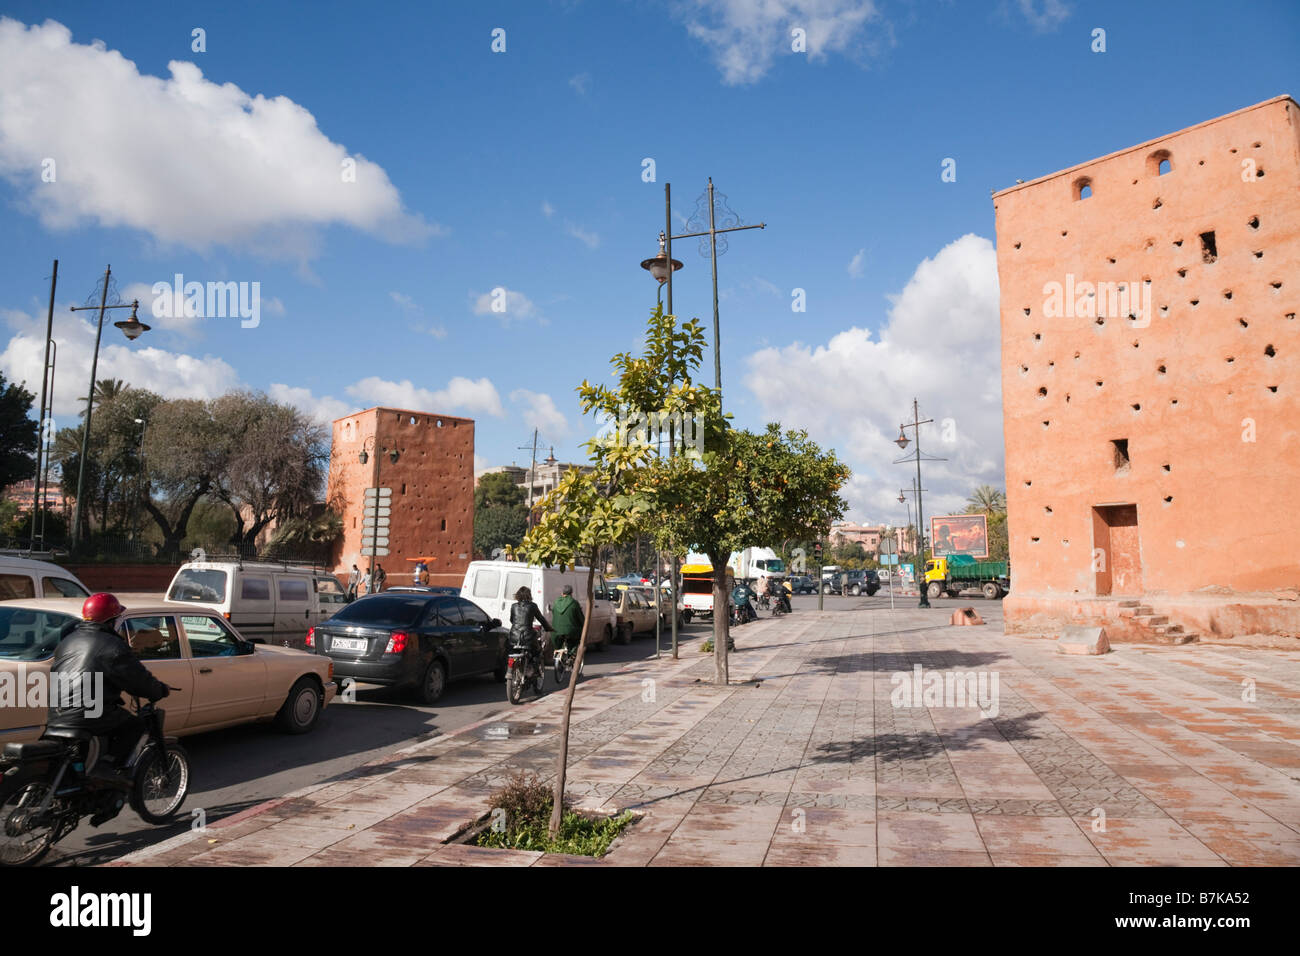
column 801, row 584
column 23, row 578
column 417, row 641
column 274, row 602
column 422, row 589
column 223, row 679
column 636, row 614
column 852, row 583
column 492, row 586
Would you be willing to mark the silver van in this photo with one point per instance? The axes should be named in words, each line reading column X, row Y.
column 276, row 603
column 25, row 578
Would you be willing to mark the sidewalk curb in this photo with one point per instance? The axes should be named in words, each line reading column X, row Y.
column 248, row 813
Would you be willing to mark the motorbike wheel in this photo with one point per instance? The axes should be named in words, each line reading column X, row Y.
column 515, row 684
column 161, row 783
column 21, row 842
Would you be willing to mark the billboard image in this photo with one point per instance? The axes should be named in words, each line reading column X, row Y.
column 960, row 534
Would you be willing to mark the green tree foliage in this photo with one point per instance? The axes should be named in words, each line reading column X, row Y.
column 18, row 432
column 747, row 491
column 275, row 464
column 500, row 514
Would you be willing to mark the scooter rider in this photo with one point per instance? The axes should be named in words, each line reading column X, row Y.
column 93, row 649
column 522, row 614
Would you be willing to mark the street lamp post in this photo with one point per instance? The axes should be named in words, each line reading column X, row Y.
column 902, row 442
column 140, row 483
column 364, row 457
column 132, row 329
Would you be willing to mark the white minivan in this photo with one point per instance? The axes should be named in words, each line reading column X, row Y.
column 275, row 603
column 492, row 586
column 25, row 578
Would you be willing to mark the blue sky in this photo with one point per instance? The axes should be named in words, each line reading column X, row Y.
column 523, row 170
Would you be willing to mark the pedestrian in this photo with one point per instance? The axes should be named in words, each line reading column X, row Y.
column 369, row 576
column 419, row 566
column 354, row 580
column 380, row 577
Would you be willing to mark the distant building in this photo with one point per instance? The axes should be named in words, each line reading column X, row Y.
column 20, row 492
column 1151, row 384
column 869, row 536
column 432, row 491
column 544, row 477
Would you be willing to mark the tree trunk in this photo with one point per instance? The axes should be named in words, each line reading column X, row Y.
column 561, row 768
column 721, row 621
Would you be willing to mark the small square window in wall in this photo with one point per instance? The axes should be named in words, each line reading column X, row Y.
column 1209, row 250
column 1119, row 447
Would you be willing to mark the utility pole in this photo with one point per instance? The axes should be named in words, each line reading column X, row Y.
column 532, row 476
column 45, row 385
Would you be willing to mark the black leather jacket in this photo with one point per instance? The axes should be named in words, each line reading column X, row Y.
column 90, row 648
column 522, row 616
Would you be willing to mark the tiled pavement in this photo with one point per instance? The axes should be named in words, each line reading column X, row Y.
column 1151, row 755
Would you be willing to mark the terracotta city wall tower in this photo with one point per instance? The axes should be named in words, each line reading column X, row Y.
column 432, row 482
column 1151, row 382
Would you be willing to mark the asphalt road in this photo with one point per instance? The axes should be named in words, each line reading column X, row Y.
column 241, row 767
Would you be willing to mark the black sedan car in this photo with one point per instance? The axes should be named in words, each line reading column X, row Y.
column 414, row 640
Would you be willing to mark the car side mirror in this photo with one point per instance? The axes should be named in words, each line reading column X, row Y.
column 496, row 622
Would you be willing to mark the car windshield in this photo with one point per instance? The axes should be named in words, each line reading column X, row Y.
column 397, row 609
column 30, row 635
column 193, row 584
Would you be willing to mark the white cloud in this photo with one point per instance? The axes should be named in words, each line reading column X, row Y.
column 1051, row 16
column 518, row 306
column 590, row 239
column 942, row 344
column 461, row 394
column 858, row 264
column 745, row 36
column 547, row 209
column 581, row 83
column 539, row 412
column 323, row 409
column 169, row 374
column 183, row 159
column 480, row 466
column 416, row 313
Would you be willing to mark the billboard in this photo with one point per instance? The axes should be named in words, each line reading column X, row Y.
column 960, row 534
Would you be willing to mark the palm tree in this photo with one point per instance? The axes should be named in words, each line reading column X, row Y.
column 986, row 500
column 106, row 390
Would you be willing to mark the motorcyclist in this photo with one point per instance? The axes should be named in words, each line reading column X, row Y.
column 741, row 597
column 522, row 614
column 777, row 592
column 93, row 649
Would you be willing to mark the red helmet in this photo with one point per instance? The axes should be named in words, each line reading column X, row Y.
column 101, row 607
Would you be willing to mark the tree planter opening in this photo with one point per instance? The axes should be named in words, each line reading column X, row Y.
column 520, row 819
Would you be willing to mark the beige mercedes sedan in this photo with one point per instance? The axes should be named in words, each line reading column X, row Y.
column 224, row 680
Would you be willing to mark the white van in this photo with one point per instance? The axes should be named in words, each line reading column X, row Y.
column 276, row 603
column 26, row 578
column 492, row 586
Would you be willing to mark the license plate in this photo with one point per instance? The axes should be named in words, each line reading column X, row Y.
column 348, row 644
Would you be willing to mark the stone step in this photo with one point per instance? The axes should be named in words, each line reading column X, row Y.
column 1130, row 603
column 1151, row 620
column 1144, row 609
column 1185, row 638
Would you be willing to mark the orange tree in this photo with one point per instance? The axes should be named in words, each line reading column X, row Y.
column 745, row 490
column 611, row 504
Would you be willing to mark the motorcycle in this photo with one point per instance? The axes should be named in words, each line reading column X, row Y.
column 524, row 669
column 46, row 787
column 782, row 605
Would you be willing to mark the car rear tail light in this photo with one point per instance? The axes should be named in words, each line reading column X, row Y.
column 311, row 637
column 396, row 643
